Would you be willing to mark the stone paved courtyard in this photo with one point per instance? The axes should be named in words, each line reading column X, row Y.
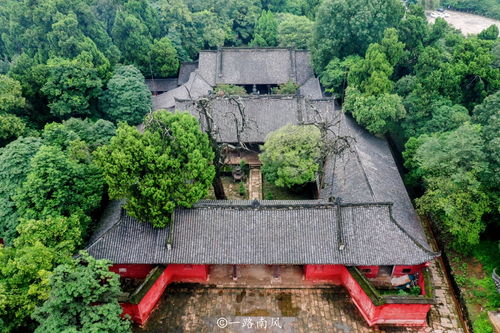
column 197, row 309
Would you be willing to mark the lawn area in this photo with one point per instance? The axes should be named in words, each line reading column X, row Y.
column 473, row 275
column 273, row 192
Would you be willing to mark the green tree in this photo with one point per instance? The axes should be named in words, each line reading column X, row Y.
column 83, row 298
column 133, row 39
column 229, row 89
column 334, row 77
column 11, row 98
column 288, row 88
column 344, row 28
column 11, row 127
column 490, row 33
column 93, row 133
column 243, row 14
column 488, row 115
column 306, row 8
column 451, row 164
column 294, row 31
column 59, row 185
column 32, row 76
column 290, row 156
column 56, row 28
column 14, row 166
column 266, row 30
column 376, row 113
column 127, row 97
column 167, row 166
column 24, row 277
column 62, row 234
column 164, row 59
column 72, row 87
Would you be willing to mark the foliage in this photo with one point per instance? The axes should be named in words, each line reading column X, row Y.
column 132, row 37
column 59, row 185
column 294, row 31
column 83, row 298
column 127, row 98
column 451, row 164
column 229, row 89
column 164, row 59
column 24, row 275
column 11, row 127
column 334, row 76
column 490, row 33
column 266, row 30
column 94, row 134
column 376, row 113
column 344, row 28
column 473, row 276
column 169, row 165
column 62, row 234
column 290, row 156
column 72, row 87
column 288, row 88
column 489, row 8
column 11, row 98
column 55, row 28
column 14, row 166
column 242, row 190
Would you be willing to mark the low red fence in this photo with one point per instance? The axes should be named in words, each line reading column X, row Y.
column 141, row 311
column 391, row 314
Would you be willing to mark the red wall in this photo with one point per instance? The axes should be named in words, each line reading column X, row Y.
column 373, row 271
column 134, row 271
column 396, row 314
column 398, row 270
column 173, row 273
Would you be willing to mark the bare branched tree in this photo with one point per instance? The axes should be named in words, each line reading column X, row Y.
column 332, row 142
column 204, row 107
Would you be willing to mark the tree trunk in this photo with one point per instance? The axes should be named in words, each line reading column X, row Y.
column 218, row 188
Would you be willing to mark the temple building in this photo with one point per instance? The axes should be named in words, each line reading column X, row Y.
column 360, row 230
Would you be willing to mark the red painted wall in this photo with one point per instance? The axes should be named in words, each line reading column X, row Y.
column 398, row 270
column 396, row 314
column 133, row 271
column 173, row 273
column 372, row 273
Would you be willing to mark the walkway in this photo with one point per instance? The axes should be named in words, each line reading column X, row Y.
column 255, row 184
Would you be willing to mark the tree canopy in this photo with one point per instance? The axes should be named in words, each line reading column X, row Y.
column 344, row 28
column 167, row 166
column 266, row 30
column 127, row 98
column 290, row 156
column 83, row 298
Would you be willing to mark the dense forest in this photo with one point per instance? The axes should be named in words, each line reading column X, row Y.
column 72, row 88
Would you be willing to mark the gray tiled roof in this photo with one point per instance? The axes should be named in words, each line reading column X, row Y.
column 161, row 84
column 368, row 173
column 272, row 232
column 185, row 71
column 265, row 114
column 194, row 88
column 255, row 66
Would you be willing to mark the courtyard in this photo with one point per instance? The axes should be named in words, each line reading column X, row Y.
column 198, row 308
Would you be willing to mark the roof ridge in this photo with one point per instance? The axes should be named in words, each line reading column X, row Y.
column 122, row 215
column 415, row 241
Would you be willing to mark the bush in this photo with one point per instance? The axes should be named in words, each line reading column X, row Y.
column 242, row 190
column 289, row 88
column 229, row 89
